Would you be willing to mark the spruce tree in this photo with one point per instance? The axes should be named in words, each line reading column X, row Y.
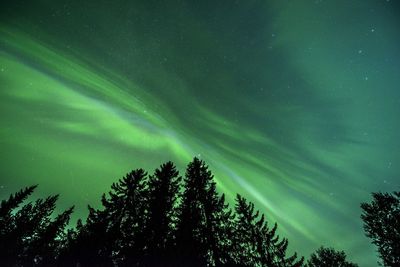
column 113, row 235
column 45, row 248
column 164, row 189
column 13, row 202
column 94, row 242
column 29, row 236
column 127, row 212
column 328, row 257
column 255, row 243
column 204, row 217
column 10, row 236
column 382, row 224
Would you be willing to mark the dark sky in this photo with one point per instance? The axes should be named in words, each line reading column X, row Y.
column 293, row 104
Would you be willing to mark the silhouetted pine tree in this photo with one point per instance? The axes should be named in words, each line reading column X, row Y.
column 113, row 235
column 11, row 238
column 94, row 242
column 328, row 257
column 9, row 235
column 164, row 190
column 129, row 201
column 29, row 236
column 69, row 249
column 13, row 202
column 203, row 221
column 382, row 224
column 255, row 243
column 45, row 248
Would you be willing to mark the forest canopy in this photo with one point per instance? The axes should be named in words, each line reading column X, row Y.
column 165, row 219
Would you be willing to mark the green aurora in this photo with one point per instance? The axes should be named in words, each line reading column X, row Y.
column 293, row 104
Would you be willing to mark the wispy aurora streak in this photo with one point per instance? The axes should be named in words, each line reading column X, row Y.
column 278, row 105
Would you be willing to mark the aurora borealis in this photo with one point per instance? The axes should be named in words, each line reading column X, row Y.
column 293, row 104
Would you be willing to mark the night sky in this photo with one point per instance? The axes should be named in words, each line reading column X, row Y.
column 293, row 104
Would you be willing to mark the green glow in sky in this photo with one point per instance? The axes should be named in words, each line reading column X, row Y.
column 293, row 104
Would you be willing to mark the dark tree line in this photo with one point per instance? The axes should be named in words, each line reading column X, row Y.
column 164, row 219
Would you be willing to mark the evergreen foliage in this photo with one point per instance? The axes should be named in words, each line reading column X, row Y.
column 162, row 216
column 328, row 257
column 29, row 236
column 113, row 235
column 203, row 221
column 257, row 244
column 166, row 220
column 13, row 202
column 382, row 224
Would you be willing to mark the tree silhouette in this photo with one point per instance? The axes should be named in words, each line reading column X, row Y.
column 114, row 234
column 204, row 217
column 256, row 243
column 13, row 202
column 382, row 224
column 328, row 257
column 164, row 191
column 127, row 210
column 29, row 236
